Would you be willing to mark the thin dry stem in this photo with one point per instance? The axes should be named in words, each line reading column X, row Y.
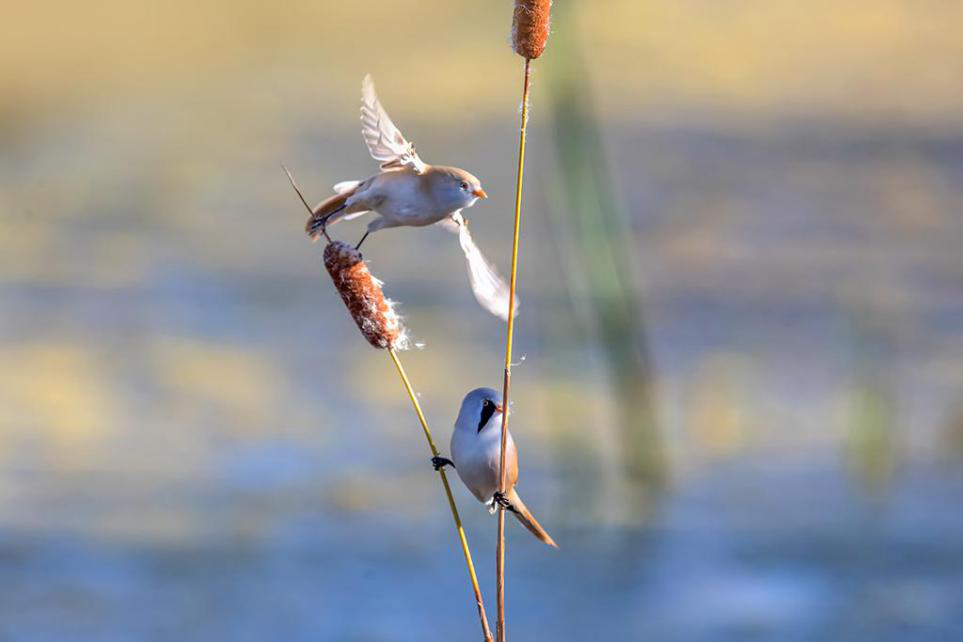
column 506, row 386
column 301, row 196
column 451, row 499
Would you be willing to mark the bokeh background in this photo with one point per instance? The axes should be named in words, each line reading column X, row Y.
column 738, row 401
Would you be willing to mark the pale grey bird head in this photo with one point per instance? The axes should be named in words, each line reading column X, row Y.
column 478, row 408
column 455, row 188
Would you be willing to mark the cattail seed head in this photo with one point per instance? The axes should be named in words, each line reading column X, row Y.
column 530, row 27
column 362, row 295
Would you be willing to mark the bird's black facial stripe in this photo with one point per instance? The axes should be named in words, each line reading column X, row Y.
column 488, row 409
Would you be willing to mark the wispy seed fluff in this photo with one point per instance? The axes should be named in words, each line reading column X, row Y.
column 530, row 27
column 362, row 295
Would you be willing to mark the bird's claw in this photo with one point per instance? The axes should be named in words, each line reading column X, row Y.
column 440, row 462
column 501, row 500
column 358, row 246
column 320, row 228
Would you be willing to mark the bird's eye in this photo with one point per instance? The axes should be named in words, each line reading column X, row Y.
column 488, row 409
column 464, row 186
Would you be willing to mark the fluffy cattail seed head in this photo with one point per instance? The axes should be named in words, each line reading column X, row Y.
column 530, row 27
column 362, row 295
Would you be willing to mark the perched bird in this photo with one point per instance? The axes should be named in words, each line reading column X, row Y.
column 476, row 453
column 409, row 192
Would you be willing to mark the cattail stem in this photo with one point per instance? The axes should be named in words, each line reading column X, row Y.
column 451, row 499
column 506, row 385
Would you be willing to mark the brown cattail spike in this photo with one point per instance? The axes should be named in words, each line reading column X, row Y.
column 530, row 27
column 362, row 295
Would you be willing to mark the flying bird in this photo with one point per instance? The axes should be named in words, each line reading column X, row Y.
column 476, row 455
column 410, row 192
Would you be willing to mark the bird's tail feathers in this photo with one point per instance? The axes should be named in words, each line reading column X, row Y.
column 325, row 213
column 488, row 286
column 528, row 520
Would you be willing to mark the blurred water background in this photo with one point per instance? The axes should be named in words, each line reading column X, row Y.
column 739, row 409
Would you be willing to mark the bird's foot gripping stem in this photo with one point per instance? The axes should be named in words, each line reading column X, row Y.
column 358, row 246
column 323, row 230
column 500, row 500
column 440, row 462
column 318, row 227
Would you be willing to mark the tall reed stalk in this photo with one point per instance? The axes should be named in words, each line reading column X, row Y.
column 382, row 328
column 529, row 35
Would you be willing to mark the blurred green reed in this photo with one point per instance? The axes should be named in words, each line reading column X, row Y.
column 593, row 239
column 871, row 437
column 952, row 438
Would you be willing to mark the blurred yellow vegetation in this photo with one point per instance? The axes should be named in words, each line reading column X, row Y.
column 238, row 388
column 430, row 369
column 889, row 59
column 871, row 59
column 368, row 493
column 56, row 393
column 719, row 404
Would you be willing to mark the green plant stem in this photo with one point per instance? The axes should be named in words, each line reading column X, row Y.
column 451, row 499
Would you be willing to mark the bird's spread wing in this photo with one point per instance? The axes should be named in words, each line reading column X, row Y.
column 385, row 143
column 489, row 288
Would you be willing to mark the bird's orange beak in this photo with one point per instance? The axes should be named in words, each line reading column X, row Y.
column 480, row 193
column 499, row 408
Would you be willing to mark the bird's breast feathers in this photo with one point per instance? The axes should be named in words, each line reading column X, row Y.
column 401, row 196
